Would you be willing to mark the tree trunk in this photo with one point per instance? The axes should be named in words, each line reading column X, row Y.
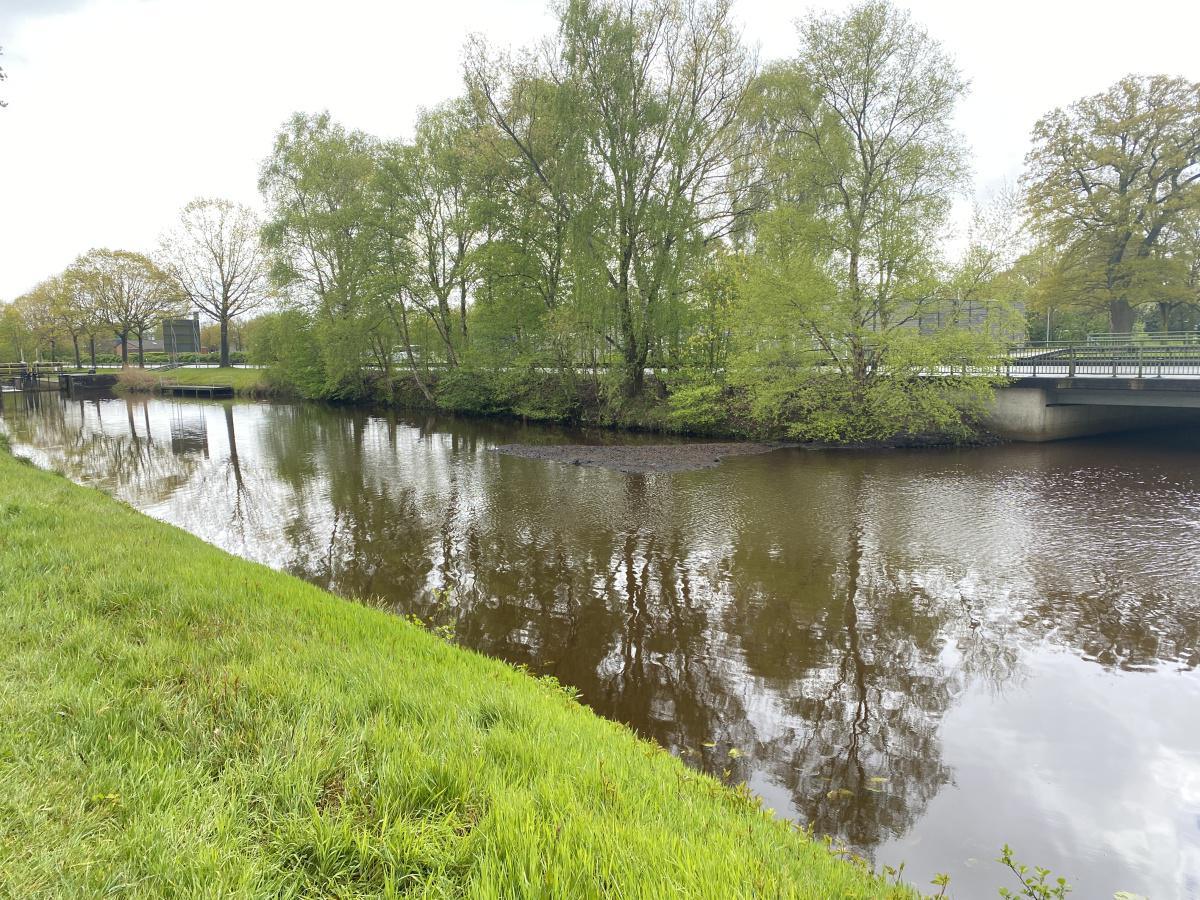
column 92, row 348
column 224, row 342
column 402, row 321
column 635, row 373
column 78, row 358
column 125, row 350
column 141, row 352
column 1164, row 311
column 1120, row 317
column 462, row 310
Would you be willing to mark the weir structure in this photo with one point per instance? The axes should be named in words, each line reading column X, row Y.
column 1076, row 389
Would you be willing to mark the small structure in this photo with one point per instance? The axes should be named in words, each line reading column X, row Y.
column 212, row 391
column 71, row 382
column 181, row 335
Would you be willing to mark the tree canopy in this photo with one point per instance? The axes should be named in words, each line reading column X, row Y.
column 633, row 221
column 215, row 261
column 1112, row 182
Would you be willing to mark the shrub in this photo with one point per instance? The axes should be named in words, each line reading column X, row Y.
column 136, row 380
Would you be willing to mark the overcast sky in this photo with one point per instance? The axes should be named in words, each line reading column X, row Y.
column 120, row 111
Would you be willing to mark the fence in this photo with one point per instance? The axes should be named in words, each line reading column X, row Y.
column 1125, row 358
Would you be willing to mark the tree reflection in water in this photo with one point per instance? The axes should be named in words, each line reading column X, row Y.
column 802, row 622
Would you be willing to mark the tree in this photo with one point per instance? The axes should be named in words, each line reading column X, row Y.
column 72, row 310
column 10, row 333
column 1107, row 180
column 3, row 77
column 524, row 266
column 216, row 261
column 131, row 294
column 316, row 185
column 1181, row 269
column 845, row 271
column 440, row 231
column 651, row 91
column 35, row 326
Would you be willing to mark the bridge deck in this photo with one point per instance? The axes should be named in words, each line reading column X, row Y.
column 1180, row 392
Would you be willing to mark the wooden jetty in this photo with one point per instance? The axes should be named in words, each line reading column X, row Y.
column 212, row 391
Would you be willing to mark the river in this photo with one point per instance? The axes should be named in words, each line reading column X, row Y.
column 926, row 653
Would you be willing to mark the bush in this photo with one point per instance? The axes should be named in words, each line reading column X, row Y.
column 468, row 391
column 697, row 402
column 285, row 344
column 544, row 396
column 137, row 380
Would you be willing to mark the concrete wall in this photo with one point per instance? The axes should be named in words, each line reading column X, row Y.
column 1022, row 414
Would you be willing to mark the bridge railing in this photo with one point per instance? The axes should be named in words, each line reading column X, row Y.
column 1088, row 359
column 1147, row 338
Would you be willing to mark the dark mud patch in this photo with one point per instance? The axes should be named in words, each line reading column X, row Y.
column 639, row 458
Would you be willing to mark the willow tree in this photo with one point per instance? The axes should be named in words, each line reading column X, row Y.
column 863, row 166
column 436, row 188
column 1108, row 179
column 217, row 263
column 523, row 264
column 316, row 184
column 649, row 94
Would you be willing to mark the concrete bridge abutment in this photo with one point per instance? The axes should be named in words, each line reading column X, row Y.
column 1059, row 410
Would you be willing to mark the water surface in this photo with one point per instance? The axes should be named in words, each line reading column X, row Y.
column 926, row 654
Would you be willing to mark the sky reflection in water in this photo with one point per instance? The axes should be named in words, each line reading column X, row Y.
column 926, row 654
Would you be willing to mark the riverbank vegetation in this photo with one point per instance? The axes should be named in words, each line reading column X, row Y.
column 635, row 223
column 181, row 722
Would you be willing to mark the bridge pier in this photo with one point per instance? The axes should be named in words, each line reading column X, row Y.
column 1057, row 409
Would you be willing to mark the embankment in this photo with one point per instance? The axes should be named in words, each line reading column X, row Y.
column 245, row 382
column 180, row 722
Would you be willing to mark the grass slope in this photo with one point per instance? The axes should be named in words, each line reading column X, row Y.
column 180, row 722
column 245, row 382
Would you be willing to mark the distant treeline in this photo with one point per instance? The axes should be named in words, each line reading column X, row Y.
column 635, row 222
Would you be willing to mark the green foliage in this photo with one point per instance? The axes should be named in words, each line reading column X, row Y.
column 283, row 343
column 1113, row 185
column 1035, row 885
column 635, row 227
column 698, row 402
column 844, row 274
column 624, row 127
column 469, row 391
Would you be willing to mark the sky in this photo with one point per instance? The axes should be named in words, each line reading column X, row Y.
column 121, row 111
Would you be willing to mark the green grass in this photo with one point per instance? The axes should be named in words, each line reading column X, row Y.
column 180, row 722
column 245, row 382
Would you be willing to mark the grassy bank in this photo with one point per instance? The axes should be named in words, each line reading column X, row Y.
column 179, row 722
column 245, row 382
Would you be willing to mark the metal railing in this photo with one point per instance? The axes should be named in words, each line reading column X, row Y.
column 1125, row 359
column 1151, row 338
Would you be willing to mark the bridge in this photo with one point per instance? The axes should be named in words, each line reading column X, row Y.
column 1119, row 383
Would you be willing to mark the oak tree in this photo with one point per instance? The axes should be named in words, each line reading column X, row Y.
column 1108, row 180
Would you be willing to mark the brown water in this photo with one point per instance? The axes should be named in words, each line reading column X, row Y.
column 927, row 654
